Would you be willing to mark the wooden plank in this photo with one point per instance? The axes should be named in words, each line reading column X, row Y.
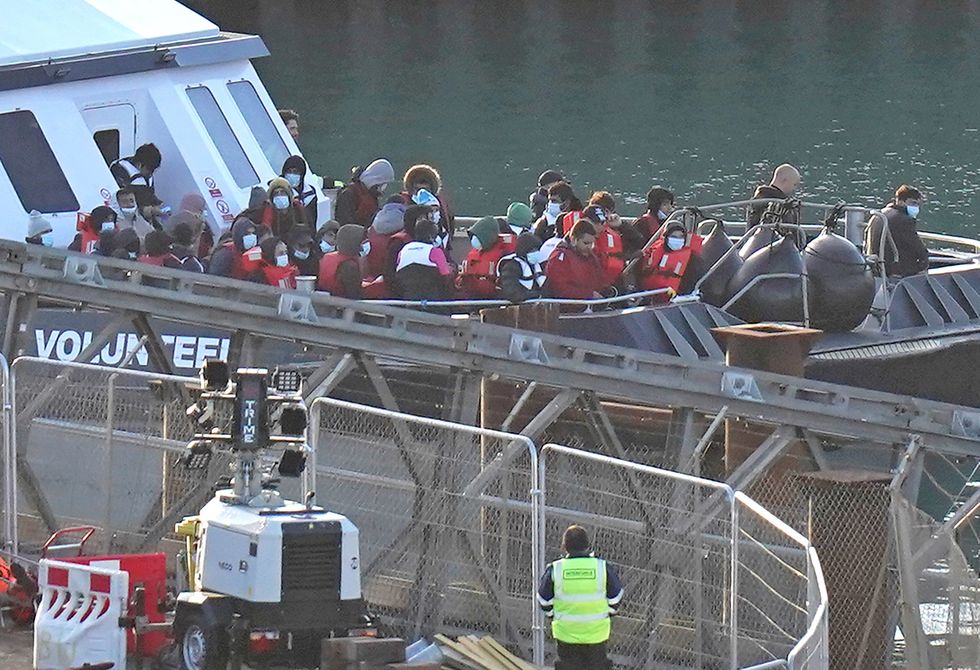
column 501, row 657
column 473, row 646
column 474, row 659
column 517, row 660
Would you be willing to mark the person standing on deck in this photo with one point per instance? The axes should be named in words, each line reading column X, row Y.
column 580, row 593
column 785, row 182
column 136, row 174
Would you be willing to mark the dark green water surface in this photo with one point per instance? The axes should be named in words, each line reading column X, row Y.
column 704, row 97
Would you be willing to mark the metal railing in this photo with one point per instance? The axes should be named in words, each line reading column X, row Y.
column 8, row 454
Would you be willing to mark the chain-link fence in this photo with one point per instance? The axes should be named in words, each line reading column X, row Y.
column 98, row 446
column 697, row 594
column 446, row 515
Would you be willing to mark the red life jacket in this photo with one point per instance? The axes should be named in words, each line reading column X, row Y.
column 367, row 204
column 89, row 241
column 283, row 277
column 165, row 260
column 564, row 223
column 250, row 260
column 478, row 273
column 374, row 262
column 327, row 276
column 609, row 249
column 662, row 268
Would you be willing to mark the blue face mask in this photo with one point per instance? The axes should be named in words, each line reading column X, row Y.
column 47, row 239
column 301, row 254
column 913, row 210
column 537, row 257
column 326, row 247
column 249, row 241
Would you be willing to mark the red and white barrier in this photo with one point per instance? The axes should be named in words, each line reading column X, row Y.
column 77, row 619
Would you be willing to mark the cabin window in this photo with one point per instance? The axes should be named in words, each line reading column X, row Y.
column 259, row 121
column 32, row 167
column 108, row 143
column 223, row 136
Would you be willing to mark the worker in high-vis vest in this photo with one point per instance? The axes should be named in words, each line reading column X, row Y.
column 580, row 593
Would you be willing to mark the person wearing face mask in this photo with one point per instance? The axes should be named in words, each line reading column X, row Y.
column 671, row 262
column 573, row 270
column 283, row 212
column 90, row 227
column 539, row 196
column 477, row 279
column 784, row 184
column 127, row 245
column 562, row 212
column 660, row 204
column 252, row 258
column 397, row 242
column 274, row 268
column 904, row 252
column 226, row 259
column 301, row 253
column 158, row 250
column 520, row 275
column 294, row 170
column 421, row 176
column 129, row 215
column 444, row 237
column 359, row 201
column 608, row 244
column 326, row 237
column 136, row 174
column 422, row 271
column 340, row 271
column 39, row 231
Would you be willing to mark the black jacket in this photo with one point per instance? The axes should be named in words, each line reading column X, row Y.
column 769, row 191
column 913, row 257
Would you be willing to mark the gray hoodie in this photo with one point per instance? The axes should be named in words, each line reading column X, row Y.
column 378, row 172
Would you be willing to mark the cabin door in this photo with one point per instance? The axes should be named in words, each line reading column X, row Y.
column 113, row 129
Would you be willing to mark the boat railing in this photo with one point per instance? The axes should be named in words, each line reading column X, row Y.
column 633, row 297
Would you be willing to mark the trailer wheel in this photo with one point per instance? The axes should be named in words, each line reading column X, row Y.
column 201, row 647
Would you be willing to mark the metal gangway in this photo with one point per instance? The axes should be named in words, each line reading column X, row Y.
column 652, row 409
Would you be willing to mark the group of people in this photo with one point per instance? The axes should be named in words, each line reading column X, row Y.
column 400, row 245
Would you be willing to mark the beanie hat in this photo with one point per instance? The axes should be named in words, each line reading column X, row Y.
column 257, row 197
column 377, row 173
column 519, row 214
column 37, row 225
column 485, row 230
column 425, row 199
column 349, row 239
column 389, row 219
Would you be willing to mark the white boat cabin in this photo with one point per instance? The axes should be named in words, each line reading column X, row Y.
column 84, row 82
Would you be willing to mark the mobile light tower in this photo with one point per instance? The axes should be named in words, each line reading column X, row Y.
column 269, row 577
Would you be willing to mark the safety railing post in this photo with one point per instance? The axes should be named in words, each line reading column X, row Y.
column 733, row 593
column 9, row 463
column 110, row 427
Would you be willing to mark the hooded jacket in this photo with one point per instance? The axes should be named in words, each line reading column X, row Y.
column 478, row 274
column 282, row 221
column 358, row 201
column 572, row 275
column 305, row 193
column 387, row 222
column 340, row 270
column 226, row 259
column 422, row 172
column 519, row 279
column 661, row 268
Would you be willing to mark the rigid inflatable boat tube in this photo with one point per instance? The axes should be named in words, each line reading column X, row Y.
column 841, row 286
column 715, row 245
column 775, row 299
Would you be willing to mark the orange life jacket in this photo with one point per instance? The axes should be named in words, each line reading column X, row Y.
column 251, row 260
column 283, row 277
column 478, row 273
column 663, row 268
column 327, row 277
column 564, row 223
column 609, row 249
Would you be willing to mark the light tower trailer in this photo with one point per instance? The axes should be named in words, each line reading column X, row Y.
column 269, row 578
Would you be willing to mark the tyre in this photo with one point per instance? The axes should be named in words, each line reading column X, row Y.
column 202, row 647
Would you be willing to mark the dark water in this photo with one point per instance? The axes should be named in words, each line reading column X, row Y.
column 704, row 97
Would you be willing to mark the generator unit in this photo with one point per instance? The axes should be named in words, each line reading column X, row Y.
column 269, row 578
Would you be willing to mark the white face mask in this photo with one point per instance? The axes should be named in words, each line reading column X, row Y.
column 517, row 230
column 47, row 239
column 293, row 179
column 437, row 242
column 475, row 243
column 280, row 201
column 326, row 247
column 250, row 240
column 436, row 216
column 661, row 215
column 365, row 247
column 108, row 225
column 913, row 210
column 675, row 243
column 128, row 211
column 537, row 257
column 282, row 261
column 382, row 188
column 553, row 208
column 301, row 254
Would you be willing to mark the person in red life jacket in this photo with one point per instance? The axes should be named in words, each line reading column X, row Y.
column 226, row 259
column 274, row 268
column 660, row 203
column 477, row 279
column 519, row 219
column 283, row 212
column 326, row 237
column 340, row 270
column 252, row 258
column 419, row 177
column 413, row 215
column 608, row 244
column 87, row 239
column 561, row 213
column 422, row 271
column 520, row 275
column 301, row 252
column 671, row 262
column 573, row 271
column 388, row 221
column 157, row 250
column 358, row 202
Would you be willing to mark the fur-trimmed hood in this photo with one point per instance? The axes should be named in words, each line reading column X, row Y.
column 422, row 172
